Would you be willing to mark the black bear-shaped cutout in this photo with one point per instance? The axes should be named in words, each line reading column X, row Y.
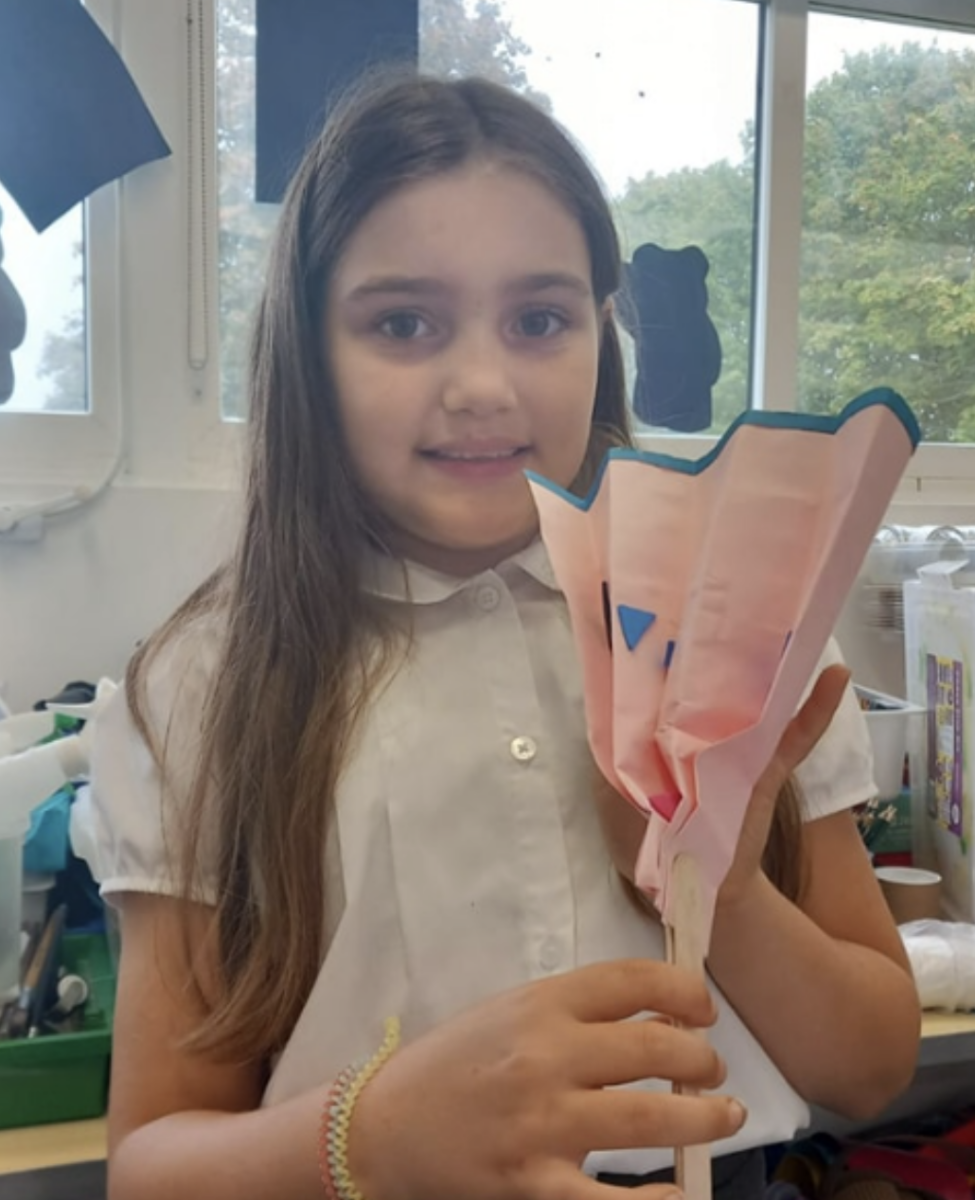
column 664, row 308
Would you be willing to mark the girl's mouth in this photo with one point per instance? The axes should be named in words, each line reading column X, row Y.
column 477, row 462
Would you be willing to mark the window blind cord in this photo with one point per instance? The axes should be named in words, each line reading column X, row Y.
column 198, row 197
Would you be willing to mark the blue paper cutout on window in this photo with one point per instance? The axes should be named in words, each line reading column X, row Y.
column 71, row 117
column 634, row 622
column 664, row 307
column 307, row 52
column 13, row 326
column 669, row 654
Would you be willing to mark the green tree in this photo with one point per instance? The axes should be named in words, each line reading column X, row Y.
column 64, row 359
column 458, row 38
column 64, row 362
column 888, row 294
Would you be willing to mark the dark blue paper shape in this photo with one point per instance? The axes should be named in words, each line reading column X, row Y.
column 664, row 308
column 13, row 326
column 669, row 654
column 71, row 118
column 634, row 622
column 307, row 51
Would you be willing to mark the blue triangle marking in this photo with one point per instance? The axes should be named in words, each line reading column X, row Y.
column 634, row 622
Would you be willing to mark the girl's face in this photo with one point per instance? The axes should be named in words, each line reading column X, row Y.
column 463, row 338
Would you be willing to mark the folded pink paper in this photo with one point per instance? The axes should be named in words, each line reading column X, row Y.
column 702, row 593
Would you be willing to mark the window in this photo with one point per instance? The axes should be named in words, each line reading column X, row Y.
column 47, row 270
column 61, row 424
column 851, row 258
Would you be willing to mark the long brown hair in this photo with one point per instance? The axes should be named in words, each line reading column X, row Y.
column 302, row 648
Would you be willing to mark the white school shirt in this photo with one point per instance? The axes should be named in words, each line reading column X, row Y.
column 467, row 856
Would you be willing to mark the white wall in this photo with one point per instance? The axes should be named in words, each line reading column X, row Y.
column 74, row 605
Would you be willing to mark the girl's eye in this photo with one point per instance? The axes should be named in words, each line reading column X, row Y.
column 403, row 326
column 540, row 323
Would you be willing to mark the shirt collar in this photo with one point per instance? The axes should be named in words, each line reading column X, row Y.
column 409, row 582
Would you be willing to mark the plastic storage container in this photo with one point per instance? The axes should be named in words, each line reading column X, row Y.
column 889, row 722
column 64, row 1076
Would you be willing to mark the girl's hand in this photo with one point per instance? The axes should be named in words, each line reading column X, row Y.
column 624, row 826
column 801, row 734
column 507, row 1099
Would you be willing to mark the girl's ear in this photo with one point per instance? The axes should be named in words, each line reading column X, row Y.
column 607, row 310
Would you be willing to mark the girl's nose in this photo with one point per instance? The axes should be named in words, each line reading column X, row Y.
column 477, row 378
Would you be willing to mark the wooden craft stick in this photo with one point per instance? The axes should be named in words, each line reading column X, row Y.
column 687, row 944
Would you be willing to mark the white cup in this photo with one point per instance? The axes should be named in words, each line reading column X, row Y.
column 912, row 894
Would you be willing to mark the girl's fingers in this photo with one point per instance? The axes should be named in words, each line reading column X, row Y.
column 805, row 729
column 613, row 991
column 619, row 1119
column 565, row 1182
column 611, row 1054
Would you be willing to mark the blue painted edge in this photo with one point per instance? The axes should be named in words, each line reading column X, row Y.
column 811, row 422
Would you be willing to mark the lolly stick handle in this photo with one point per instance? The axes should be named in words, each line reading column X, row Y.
column 687, row 944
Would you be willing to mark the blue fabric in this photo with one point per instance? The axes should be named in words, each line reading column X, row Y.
column 47, row 844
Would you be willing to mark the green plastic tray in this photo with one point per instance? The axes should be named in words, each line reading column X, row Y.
column 64, row 1077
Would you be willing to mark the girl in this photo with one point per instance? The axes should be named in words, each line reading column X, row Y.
column 349, row 781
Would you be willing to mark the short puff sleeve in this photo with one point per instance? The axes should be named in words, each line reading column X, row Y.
column 125, row 823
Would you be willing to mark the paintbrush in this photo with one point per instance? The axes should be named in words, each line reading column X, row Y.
column 25, row 1020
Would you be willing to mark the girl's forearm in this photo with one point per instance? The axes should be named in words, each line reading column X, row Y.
column 223, row 1156
column 840, row 1019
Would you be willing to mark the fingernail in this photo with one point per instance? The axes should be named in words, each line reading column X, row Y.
column 738, row 1111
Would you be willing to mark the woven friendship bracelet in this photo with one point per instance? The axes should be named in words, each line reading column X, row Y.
column 333, row 1140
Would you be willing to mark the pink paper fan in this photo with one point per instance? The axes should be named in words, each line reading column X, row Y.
column 702, row 594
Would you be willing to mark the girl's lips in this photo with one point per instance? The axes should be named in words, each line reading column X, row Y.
column 478, row 463
column 482, row 447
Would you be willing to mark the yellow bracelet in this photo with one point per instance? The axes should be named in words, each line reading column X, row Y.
column 333, row 1145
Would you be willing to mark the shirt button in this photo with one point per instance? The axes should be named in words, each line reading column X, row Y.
column 523, row 749
column 550, row 954
column 487, row 598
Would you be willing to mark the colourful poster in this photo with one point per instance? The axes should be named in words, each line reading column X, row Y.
column 945, row 750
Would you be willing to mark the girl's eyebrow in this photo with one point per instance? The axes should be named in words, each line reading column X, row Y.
column 420, row 285
column 402, row 284
column 547, row 280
